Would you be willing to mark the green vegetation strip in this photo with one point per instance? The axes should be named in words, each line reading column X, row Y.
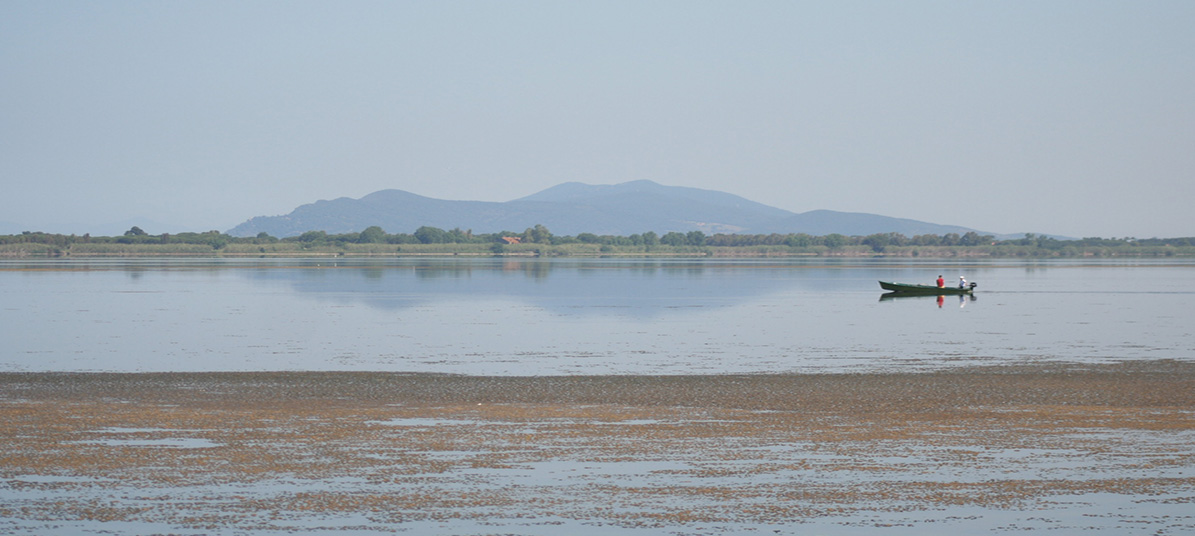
column 539, row 241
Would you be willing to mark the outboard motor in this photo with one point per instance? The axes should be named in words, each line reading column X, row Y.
column 973, row 285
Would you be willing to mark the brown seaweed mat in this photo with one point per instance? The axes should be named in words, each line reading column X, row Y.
column 1099, row 447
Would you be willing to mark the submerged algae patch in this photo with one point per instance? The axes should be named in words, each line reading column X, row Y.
column 257, row 453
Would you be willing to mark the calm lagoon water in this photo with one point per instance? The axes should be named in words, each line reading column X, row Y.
column 583, row 316
column 587, row 317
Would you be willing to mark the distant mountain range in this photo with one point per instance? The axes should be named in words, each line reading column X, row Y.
column 573, row 208
column 566, row 209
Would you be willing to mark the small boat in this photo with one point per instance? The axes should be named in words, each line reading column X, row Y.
column 905, row 288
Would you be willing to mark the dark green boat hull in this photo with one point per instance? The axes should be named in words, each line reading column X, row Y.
column 925, row 290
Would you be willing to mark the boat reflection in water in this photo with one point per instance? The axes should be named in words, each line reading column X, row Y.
column 962, row 298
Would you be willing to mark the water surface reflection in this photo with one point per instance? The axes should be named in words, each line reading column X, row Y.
column 580, row 316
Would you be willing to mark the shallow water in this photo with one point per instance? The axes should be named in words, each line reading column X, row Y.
column 984, row 451
column 583, row 316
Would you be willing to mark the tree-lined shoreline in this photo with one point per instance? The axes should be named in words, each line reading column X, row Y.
column 539, row 241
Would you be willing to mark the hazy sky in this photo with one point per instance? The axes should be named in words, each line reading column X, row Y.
column 1062, row 117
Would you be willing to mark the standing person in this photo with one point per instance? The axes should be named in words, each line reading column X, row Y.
column 941, row 282
column 962, row 283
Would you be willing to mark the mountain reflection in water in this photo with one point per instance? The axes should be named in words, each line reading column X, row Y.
column 554, row 284
column 581, row 316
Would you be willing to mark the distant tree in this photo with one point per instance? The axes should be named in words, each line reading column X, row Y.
column 972, row 238
column 798, row 240
column 695, row 238
column 313, row 236
column 401, row 238
column 650, row 238
column 537, row 235
column 774, row 239
column 372, row 235
column 1049, row 242
column 431, row 235
column 877, row 241
column 834, row 240
column 135, row 231
column 588, row 238
column 673, row 238
column 457, row 236
column 926, row 240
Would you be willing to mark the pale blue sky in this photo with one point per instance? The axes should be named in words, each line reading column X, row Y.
column 1063, row 117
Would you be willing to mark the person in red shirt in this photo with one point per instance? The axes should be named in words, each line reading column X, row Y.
column 941, row 282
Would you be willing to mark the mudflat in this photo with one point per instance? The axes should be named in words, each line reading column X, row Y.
column 1096, row 447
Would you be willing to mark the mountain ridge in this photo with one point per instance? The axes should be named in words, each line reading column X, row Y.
column 572, row 208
